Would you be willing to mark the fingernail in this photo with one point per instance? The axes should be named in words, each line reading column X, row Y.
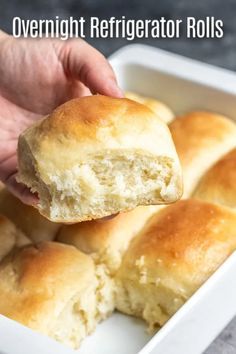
column 114, row 90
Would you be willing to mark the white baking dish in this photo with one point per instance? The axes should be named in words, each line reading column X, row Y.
column 184, row 85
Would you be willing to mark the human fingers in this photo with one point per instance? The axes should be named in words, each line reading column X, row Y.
column 83, row 62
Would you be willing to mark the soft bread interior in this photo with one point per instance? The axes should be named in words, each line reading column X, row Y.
column 111, row 182
column 155, row 304
column 76, row 319
column 105, row 292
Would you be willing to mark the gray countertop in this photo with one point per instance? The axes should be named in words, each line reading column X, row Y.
column 220, row 52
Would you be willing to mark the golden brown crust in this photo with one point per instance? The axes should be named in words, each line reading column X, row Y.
column 82, row 118
column 182, row 245
column 218, row 185
column 160, row 108
column 97, row 122
column 82, row 121
column 37, row 282
column 201, row 138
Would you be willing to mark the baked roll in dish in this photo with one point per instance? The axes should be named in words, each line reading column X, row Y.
column 96, row 156
column 176, row 252
column 50, row 288
column 160, row 108
column 201, row 138
column 10, row 237
column 27, row 218
column 107, row 240
column 218, row 185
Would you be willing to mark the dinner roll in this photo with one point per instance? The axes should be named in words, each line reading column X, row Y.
column 169, row 260
column 201, row 138
column 160, row 108
column 50, row 288
column 107, row 240
column 10, row 237
column 96, row 156
column 27, row 218
column 218, row 185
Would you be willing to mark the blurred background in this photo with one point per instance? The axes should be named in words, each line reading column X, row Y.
column 221, row 52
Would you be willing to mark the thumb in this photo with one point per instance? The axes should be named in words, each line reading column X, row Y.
column 21, row 191
column 8, row 174
column 86, row 64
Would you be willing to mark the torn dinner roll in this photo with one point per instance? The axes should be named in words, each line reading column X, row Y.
column 96, row 156
column 107, row 240
column 50, row 288
column 176, row 252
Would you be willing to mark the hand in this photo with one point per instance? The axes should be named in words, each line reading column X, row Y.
column 35, row 77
